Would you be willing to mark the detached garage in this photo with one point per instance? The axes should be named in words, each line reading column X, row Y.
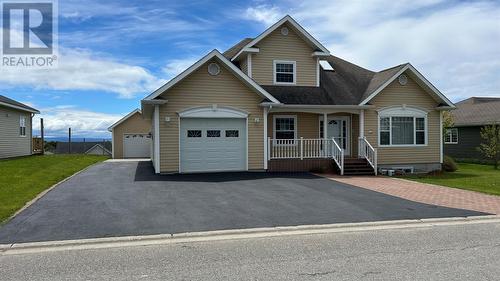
column 131, row 136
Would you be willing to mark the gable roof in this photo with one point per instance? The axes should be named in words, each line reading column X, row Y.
column 98, row 145
column 5, row 101
column 287, row 19
column 231, row 52
column 384, row 78
column 124, row 118
column 235, row 70
column 477, row 111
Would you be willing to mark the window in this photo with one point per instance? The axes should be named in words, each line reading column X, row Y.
column 284, row 127
column 451, row 136
column 232, row 133
column 402, row 127
column 213, row 133
column 22, row 126
column 284, row 72
column 194, row 133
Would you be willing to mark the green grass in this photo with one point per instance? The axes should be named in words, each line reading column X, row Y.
column 476, row 177
column 22, row 179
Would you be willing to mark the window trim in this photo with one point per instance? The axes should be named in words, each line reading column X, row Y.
column 23, row 118
column 294, row 63
column 403, row 111
column 294, row 117
column 451, row 136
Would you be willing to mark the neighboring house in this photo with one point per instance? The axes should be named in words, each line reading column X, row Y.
column 282, row 102
column 472, row 114
column 15, row 128
column 95, row 148
column 131, row 136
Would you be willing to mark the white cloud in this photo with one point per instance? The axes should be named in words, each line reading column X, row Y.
column 455, row 45
column 82, row 122
column 83, row 70
column 266, row 14
column 176, row 66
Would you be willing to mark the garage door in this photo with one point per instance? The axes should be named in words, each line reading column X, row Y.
column 136, row 145
column 209, row 145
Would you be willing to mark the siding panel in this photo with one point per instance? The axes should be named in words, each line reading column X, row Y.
column 201, row 89
column 11, row 143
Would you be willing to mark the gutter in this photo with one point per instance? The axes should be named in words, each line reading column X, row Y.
column 315, row 106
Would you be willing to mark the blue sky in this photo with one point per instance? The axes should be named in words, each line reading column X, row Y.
column 113, row 53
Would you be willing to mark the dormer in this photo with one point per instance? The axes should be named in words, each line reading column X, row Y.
column 283, row 55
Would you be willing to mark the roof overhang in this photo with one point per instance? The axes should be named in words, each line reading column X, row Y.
column 333, row 106
column 320, row 54
column 230, row 66
column 301, row 31
column 419, row 79
column 19, row 107
column 123, row 119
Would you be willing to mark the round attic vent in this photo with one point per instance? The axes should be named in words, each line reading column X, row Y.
column 402, row 79
column 213, row 69
column 284, row 31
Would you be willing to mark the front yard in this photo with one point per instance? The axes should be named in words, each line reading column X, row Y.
column 475, row 177
column 21, row 179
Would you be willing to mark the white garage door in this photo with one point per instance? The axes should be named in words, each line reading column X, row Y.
column 209, row 145
column 136, row 145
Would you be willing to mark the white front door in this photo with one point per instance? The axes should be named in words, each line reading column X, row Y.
column 213, row 144
column 338, row 128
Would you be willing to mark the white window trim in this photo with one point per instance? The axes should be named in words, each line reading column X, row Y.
column 294, row 127
column 294, row 63
column 451, row 136
column 22, row 117
column 403, row 112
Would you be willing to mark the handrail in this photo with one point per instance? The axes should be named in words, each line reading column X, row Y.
column 367, row 151
column 338, row 156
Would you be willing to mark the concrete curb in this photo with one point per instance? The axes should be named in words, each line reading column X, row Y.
column 41, row 194
column 219, row 235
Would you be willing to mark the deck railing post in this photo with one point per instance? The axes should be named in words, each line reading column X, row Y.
column 301, row 148
column 268, row 149
column 342, row 162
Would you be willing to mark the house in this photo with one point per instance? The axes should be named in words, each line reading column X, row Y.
column 131, row 136
column 472, row 114
column 15, row 128
column 94, row 148
column 282, row 102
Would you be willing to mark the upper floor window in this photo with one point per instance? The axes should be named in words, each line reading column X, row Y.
column 22, row 126
column 402, row 127
column 284, row 72
column 451, row 136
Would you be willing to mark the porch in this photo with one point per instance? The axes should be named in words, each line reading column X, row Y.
column 301, row 140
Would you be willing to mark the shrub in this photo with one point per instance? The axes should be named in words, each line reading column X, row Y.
column 449, row 164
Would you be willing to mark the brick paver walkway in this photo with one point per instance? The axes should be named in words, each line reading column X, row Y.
column 426, row 193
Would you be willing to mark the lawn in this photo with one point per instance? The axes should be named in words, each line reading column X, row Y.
column 476, row 177
column 21, row 179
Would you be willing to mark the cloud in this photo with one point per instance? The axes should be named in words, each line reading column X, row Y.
column 454, row 44
column 84, row 70
column 176, row 66
column 266, row 14
column 84, row 123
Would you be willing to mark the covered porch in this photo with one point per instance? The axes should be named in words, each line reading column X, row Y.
column 299, row 139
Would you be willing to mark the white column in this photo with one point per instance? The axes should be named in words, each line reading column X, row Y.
column 249, row 65
column 157, row 138
column 361, row 123
column 266, row 143
column 317, row 72
column 440, row 136
column 325, row 125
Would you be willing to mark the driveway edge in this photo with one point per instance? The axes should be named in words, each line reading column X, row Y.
column 41, row 194
column 234, row 234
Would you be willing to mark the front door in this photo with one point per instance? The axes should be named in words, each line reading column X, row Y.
column 338, row 128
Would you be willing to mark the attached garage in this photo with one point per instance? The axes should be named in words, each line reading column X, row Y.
column 213, row 144
column 131, row 136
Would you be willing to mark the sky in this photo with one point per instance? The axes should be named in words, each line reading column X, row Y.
column 114, row 53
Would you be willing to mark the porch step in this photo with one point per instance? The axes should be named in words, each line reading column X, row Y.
column 357, row 166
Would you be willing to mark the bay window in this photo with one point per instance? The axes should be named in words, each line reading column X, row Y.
column 402, row 127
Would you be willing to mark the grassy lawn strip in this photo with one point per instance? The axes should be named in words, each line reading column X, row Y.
column 476, row 177
column 23, row 178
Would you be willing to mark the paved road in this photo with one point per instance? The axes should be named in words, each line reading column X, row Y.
column 126, row 198
column 466, row 252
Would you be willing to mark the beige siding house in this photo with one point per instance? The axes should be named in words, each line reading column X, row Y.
column 282, row 102
column 15, row 128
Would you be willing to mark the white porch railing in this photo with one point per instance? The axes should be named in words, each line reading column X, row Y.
column 306, row 148
column 367, row 151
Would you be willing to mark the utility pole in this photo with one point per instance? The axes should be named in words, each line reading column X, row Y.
column 69, row 142
column 42, row 135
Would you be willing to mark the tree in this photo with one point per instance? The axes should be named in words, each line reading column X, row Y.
column 448, row 121
column 491, row 143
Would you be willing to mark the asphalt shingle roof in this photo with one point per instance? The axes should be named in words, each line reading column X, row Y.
column 477, row 111
column 6, row 100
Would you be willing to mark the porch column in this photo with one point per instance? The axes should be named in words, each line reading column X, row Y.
column 361, row 130
column 266, row 111
column 325, row 123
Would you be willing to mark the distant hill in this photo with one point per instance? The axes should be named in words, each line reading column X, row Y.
column 76, row 139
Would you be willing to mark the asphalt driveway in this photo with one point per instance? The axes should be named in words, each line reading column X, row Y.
column 126, row 198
